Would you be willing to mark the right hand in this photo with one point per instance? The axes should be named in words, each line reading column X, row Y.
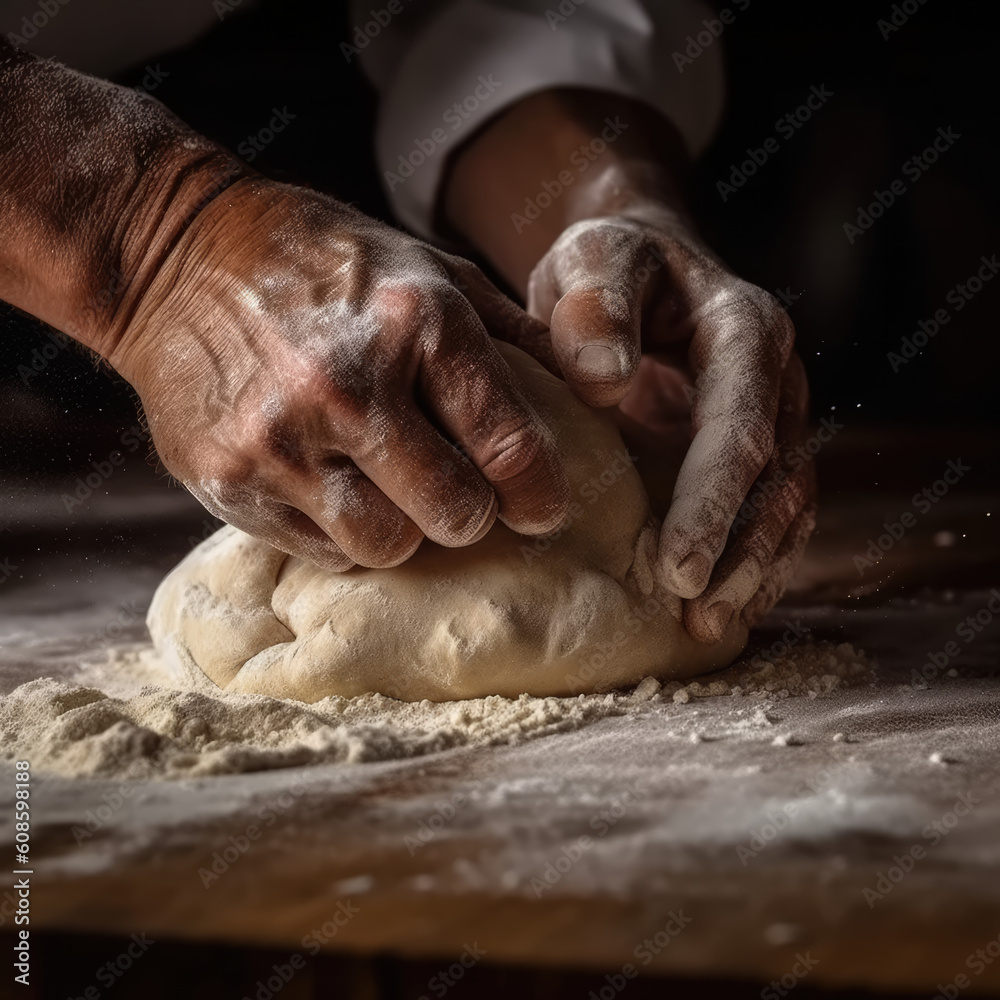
column 328, row 384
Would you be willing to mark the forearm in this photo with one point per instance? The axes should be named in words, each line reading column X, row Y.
column 554, row 159
column 97, row 183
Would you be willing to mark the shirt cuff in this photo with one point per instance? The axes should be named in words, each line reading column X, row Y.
column 478, row 57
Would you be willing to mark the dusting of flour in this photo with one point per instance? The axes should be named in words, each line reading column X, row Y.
column 123, row 719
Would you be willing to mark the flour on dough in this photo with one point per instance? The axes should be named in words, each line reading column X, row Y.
column 573, row 613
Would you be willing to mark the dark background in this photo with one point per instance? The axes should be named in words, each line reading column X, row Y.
column 783, row 228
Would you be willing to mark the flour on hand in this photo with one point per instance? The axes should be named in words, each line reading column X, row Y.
column 576, row 612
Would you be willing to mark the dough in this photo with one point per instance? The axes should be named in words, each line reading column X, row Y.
column 572, row 613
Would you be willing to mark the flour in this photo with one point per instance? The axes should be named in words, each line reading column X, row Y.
column 122, row 720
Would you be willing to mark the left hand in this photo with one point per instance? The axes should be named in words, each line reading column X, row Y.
column 643, row 317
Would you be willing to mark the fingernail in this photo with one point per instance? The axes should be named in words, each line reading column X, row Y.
column 692, row 573
column 487, row 523
column 718, row 617
column 596, row 359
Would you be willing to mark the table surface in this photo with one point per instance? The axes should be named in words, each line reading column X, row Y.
column 710, row 847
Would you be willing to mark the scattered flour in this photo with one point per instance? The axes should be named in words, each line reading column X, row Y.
column 135, row 726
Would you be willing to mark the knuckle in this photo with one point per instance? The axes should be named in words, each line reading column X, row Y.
column 272, row 434
column 746, row 308
column 539, row 286
column 603, row 234
column 513, row 449
column 415, row 306
column 594, row 246
column 230, row 488
column 352, row 395
column 232, row 477
column 757, row 439
column 770, row 317
column 465, row 276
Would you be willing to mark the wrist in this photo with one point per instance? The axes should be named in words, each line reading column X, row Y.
column 558, row 158
column 209, row 253
column 96, row 185
column 172, row 192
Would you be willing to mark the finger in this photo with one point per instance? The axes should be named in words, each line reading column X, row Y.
column 786, row 560
column 742, row 568
column 346, row 505
column 783, row 489
column 426, row 477
column 503, row 319
column 292, row 531
column 739, row 349
column 248, row 507
column 591, row 292
column 473, row 394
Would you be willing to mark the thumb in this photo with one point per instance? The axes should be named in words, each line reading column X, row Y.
column 595, row 335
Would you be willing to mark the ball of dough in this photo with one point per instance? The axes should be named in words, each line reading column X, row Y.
column 576, row 612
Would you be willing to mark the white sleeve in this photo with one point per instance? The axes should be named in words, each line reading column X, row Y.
column 444, row 68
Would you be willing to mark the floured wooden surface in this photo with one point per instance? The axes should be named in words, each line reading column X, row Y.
column 680, row 802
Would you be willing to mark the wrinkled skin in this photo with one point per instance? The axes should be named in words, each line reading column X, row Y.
column 304, row 370
column 644, row 317
column 691, row 346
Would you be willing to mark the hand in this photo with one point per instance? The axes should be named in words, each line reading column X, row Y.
column 328, row 384
column 642, row 317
